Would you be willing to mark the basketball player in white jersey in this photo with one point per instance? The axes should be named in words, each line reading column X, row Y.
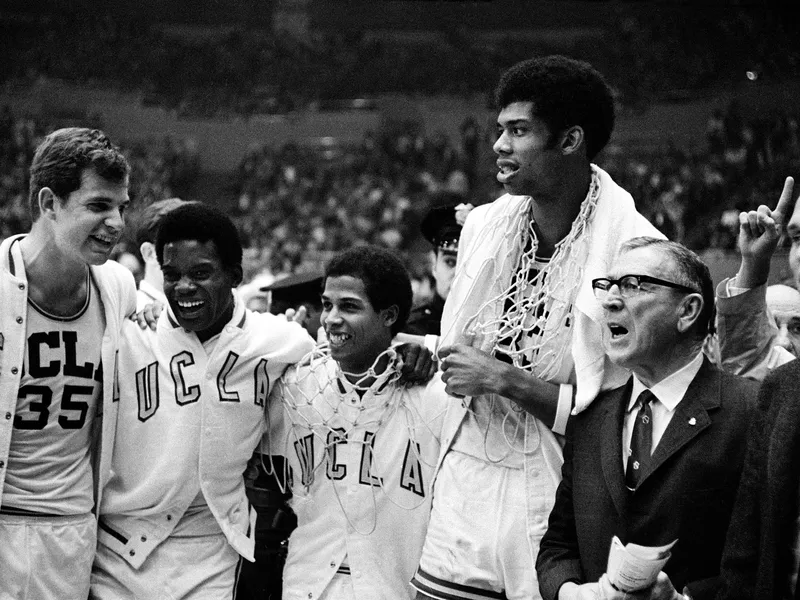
column 174, row 519
column 521, row 330
column 360, row 446
column 63, row 305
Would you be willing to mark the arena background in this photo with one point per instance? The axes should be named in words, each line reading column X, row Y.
column 323, row 123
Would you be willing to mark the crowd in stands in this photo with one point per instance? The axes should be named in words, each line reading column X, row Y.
column 239, row 72
column 18, row 138
column 296, row 206
column 694, row 195
column 159, row 168
column 683, row 50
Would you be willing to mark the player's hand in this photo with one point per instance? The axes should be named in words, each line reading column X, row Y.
column 419, row 364
column 299, row 315
column 467, row 371
column 759, row 232
column 148, row 316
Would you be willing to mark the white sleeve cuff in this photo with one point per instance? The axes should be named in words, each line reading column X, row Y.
column 734, row 290
column 431, row 343
column 563, row 409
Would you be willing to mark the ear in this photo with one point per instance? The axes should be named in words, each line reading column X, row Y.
column 572, row 140
column 390, row 315
column 689, row 312
column 148, row 251
column 237, row 275
column 47, row 201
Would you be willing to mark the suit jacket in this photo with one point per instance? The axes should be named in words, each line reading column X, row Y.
column 687, row 491
column 757, row 562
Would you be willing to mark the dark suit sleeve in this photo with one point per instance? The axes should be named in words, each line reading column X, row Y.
column 704, row 589
column 740, row 557
column 559, row 561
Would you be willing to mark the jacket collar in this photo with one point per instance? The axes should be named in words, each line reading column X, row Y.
column 692, row 416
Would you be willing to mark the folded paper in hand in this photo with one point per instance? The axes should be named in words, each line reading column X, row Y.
column 632, row 567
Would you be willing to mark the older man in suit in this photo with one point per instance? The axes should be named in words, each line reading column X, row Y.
column 762, row 555
column 658, row 459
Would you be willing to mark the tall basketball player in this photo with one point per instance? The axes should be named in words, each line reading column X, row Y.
column 521, row 329
column 63, row 305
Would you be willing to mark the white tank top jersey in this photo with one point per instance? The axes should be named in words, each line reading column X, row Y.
column 360, row 471
column 49, row 466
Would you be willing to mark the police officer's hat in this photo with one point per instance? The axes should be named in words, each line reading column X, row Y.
column 440, row 227
column 294, row 290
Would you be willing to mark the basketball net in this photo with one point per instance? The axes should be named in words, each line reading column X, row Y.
column 532, row 325
column 315, row 395
column 529, row 321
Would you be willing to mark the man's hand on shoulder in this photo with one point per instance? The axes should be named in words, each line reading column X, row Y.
column 419, row 364
column 298, row 315
column 148, row 316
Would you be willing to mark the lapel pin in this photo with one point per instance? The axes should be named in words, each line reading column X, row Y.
column 692, row 421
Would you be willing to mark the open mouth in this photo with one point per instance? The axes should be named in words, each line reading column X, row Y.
column 506, row 171
column 189, row 307
column 105, row 241
column 617, row 331
column 337, row 340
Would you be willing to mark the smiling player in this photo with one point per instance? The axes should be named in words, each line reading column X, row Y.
column 174, row 518
column 360, row 446
column 62, row 310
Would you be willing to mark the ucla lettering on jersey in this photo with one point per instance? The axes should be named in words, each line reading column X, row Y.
column 60, row 388
column 359, row 461
column 148, row 386
column 381, row 440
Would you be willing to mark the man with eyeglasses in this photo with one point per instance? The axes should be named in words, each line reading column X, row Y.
column 658, row 459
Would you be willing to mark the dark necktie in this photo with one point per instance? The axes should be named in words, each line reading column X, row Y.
column 641, row 440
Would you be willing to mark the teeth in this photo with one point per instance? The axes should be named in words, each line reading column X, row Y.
column 190, row 304
column 338, row 338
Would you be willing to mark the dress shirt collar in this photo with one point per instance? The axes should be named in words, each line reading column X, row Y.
column 670, row 390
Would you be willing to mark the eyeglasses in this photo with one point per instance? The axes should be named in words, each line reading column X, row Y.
column 631, row 285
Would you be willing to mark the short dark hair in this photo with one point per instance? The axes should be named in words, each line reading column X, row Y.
column 386, row 280
column 201, row 222
column 63, row 156
column 565, row 92
column 690, row 271
column 150, row 217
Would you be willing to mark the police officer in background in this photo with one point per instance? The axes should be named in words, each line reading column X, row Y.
column 442, row 228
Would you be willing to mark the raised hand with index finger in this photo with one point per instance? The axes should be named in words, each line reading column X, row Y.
column 759, row 232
